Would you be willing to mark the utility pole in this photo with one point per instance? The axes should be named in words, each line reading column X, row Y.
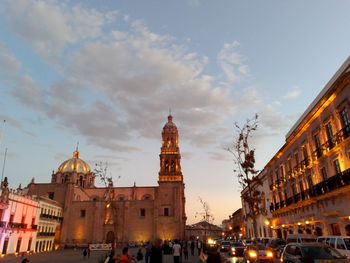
column 3, row 166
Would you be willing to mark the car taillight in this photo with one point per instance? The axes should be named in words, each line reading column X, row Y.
column 269, row 254
column 252, row 254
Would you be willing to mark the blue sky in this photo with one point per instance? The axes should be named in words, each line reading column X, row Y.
column 105, row 73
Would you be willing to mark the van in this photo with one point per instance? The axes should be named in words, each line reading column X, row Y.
column 340, row 243
column 301, row 238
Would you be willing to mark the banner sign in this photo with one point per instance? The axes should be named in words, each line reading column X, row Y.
column 100, row 246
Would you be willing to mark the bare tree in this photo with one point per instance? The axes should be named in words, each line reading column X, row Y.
column 246, row 173
column 206, row 215
column 101, row 171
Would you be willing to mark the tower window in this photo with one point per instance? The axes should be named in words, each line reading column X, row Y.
column 82, row 213
column 51, row 195
column 142, row 212
column 166, row 211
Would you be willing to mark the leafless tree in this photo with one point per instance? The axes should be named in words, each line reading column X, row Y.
column 247, row 175
column 206, row 215
column 101, row 171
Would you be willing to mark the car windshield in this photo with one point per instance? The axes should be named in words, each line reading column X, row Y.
column 308, row 240
column 260, row 246
column 225, row 243
column 237, row 244
column 321, row 252
column 347, row 243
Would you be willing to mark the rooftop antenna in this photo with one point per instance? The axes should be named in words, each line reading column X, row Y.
column 169, row 111
column 3, row 166
column 77, row 146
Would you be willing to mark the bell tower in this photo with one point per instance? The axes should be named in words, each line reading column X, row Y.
column 170, row 168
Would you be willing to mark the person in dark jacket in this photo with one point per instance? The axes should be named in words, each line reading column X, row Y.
column 156, row 254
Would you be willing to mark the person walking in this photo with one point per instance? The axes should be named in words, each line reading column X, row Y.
column 192, row 248
column 148, row 251
column 139, row 255
column 185, row 250
column 125, row 258
column 167, row 252
column 199, row 246
column 156, row 253
column 176, row 251
column 85, row 253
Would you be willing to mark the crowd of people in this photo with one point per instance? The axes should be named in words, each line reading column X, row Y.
column 176, row 251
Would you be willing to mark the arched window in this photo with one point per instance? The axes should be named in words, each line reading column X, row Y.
column 147, row 197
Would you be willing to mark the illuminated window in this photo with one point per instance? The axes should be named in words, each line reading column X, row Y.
column 142, row 212
column 318, row 147
column 82, row 213
column 337, row 166
column 345, row 122
column 329, row 133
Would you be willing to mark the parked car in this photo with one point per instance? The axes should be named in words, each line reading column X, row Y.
column 276, row 245
column 340, row 243
column 311, row 252
column 300, row 238
column 225, row 246
column 258, row 253
column 237, row 249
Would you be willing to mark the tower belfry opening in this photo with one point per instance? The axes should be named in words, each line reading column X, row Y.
column 170, row 167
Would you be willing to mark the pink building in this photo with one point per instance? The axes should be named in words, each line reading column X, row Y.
column 18, row 227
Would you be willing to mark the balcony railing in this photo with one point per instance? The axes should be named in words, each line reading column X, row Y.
column 46, row 234
column 331, row 184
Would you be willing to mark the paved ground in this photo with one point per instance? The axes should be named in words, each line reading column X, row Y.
column 70, row 256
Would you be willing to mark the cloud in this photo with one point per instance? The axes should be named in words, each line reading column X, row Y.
column 232, row 62
column 49, row 27
column 118, row 85
column 293, row 94
column 9, row 65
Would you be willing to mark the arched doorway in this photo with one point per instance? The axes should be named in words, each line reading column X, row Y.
column 110, row 239
column 318, row 231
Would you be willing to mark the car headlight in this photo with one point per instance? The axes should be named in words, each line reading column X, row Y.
column 233, row 249
column 269, row 254
column 252, row 254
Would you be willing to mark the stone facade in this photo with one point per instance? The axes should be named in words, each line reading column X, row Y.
column 119, row 214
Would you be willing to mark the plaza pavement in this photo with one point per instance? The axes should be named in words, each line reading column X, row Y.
column 71, row 255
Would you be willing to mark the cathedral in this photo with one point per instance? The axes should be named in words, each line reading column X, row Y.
column 119, row 215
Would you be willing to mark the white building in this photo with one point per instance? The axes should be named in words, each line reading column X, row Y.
column 263, row 217
column 49, row 217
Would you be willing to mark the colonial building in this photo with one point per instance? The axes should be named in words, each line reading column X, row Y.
column 262, row 214
column 309, row 177
column 49, row 217
column 202, row 231
column 18, row 227
column 119, row 214
column 234, row 227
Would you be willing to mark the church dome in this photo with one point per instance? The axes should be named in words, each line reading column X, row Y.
column 74, row 165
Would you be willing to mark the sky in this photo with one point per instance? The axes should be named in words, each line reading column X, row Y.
column 106, row 73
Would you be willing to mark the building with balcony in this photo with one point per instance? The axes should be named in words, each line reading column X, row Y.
column 234, row 227
column 262, row 213
column 18, row 226
column 309, row 177
column 50, row 218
